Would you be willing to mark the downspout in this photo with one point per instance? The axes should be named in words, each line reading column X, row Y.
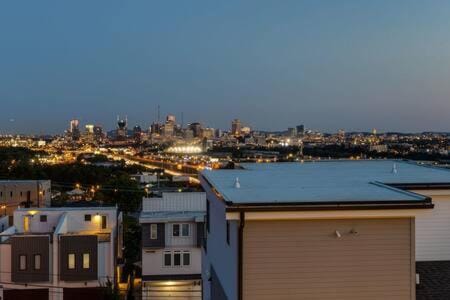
column 240, row 255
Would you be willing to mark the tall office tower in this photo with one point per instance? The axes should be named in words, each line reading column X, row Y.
column 155, row 128
column 301, row 129
column 74, row 129
column 196, row 128
column 292, row 131
column 236, row 127
column 137, row 133
column 98, row 133
column 121, row 131
column 170, row 119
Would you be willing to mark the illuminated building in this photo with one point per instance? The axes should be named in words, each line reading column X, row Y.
column 122, row 130
column 60, row 253
column 74, row 130
column 236, row 127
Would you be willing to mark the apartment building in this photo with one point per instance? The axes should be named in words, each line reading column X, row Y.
column 60, row 253
column 33, row 193
column 373, row 229
column 172, row 234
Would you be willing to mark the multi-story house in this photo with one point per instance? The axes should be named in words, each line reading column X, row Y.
column 172, row 233
column 60, row 253
column 327, row 230
column 30, row 193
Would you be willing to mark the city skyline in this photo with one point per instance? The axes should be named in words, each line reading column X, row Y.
column 351, row 65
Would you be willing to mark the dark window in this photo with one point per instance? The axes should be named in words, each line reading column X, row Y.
column 207, row 215
column 43, row 218
column 11, row 194
column 20, row 194
column 176, row 230
column 177, row 258
column 185, row 229
column 186, row 258
column 228, row 232
column 87, row 218
column 167, row 259
column 103, row 222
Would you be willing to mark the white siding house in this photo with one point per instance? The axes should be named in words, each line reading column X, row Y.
column 172, row 231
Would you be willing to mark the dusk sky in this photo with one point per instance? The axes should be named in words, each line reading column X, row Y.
column 332, row 64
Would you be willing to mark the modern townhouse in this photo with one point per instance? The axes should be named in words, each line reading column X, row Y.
column 60, row 253
column 327, row 230
column 172, row 234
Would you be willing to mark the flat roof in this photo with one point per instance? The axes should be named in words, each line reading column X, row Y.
column 321, row 182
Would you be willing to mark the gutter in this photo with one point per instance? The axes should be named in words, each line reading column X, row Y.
column 278, row 208
column 240, row 255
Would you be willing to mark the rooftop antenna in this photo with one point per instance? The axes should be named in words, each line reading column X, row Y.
column 158, row 114
column 237, row 184
column 394, row 169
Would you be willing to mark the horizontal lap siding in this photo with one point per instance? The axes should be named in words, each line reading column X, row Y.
column 305, row 259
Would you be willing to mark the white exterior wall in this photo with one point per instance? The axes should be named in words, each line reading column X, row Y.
column 179, row 241
column 152, row 262
column 433, row 229
column 176, row 202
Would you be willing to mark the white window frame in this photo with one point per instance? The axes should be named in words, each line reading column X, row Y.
column 177, row 252
column 164, row 259
column 190, row 258
column 37, row 261
column 153, row 231
column 22, row 262
column 180, row 230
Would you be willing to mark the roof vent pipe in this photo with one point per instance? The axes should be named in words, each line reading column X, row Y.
column 394, row 169
column 237, row 183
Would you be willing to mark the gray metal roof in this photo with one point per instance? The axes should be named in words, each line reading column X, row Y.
column 343, row 181
column 171, row 216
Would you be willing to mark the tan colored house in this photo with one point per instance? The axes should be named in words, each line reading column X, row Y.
column 328, row 230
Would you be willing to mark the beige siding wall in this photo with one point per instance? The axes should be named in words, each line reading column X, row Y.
column 306, row 260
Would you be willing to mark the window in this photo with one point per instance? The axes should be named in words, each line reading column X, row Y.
column 37, row 261
column 207, row 215
column 20, row 193
column 154, row 231
column 103, row 222
column 86, row 260
column 71, row 261
column 176, row 230
column 22, row 262
column 185, row 229
column 228, row 232
column 181, row 230
column 11, row 194
column 177, row 258
column 87, row 218
column 186, row 258
column 43, row 218
column 167, row 259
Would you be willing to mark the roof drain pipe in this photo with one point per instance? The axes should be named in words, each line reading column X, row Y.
column 240, row 255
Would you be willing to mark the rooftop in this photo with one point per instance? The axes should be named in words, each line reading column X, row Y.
column 172, row 216
column 335, row 181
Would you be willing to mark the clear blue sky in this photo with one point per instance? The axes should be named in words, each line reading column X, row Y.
column 328, row 64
